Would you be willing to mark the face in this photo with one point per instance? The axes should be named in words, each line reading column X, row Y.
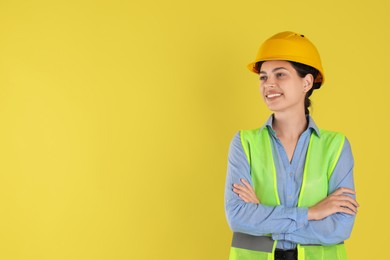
column 282, row 88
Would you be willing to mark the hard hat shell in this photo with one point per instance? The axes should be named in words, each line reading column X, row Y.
column 290, row 46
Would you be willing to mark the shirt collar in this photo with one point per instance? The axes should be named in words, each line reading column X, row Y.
column 312, row 125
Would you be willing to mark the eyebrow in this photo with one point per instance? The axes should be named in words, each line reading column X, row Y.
column 275, row 69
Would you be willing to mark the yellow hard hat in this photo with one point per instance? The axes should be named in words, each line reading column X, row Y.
column 290, row 46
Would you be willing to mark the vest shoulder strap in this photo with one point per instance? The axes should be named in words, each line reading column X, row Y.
column 333, row 142
column 322, row 155
column 258, row 149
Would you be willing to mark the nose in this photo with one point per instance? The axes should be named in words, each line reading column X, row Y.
column 269, row 83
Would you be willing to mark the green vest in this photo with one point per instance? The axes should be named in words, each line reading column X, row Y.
column 321, row 158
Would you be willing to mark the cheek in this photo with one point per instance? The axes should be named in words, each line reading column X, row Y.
column 298, row 95
column 261, row 88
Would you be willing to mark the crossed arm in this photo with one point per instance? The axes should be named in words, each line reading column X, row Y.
column 328, row 222
column 337, row 202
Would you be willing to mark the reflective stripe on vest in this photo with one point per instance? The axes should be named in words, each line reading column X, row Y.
column 321, row 158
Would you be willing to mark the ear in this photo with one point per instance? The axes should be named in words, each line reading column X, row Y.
column 308, row 81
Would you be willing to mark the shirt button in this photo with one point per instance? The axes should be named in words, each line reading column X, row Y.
column 291, row 174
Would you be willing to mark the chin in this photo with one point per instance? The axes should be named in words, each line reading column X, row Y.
column 275, row 108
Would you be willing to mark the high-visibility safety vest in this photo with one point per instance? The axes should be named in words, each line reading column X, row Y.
column 321, row 158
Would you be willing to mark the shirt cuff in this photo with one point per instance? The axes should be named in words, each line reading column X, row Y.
column 301, row 221
column 302, row 217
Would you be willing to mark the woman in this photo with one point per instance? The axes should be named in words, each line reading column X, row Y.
column 289, row 189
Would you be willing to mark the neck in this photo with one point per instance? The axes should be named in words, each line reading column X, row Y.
column 289, row 126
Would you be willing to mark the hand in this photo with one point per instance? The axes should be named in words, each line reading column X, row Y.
column 246, row 192
column 336, row 202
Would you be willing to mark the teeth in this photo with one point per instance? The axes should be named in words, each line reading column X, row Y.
column 273, row 95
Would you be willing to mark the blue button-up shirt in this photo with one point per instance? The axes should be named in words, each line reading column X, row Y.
column 287, row 223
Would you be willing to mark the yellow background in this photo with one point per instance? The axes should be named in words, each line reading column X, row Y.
column 116, row 117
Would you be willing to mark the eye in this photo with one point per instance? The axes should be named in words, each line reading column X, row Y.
column 280, row 74
column 262, row 78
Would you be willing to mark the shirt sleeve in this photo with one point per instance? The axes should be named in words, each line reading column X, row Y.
column 250, row 218
column 334, row 228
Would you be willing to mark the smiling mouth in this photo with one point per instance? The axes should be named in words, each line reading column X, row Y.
column 273, row 95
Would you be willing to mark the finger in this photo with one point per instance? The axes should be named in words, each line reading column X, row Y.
column 337, row 204
column 246, row 199
column 249, row 199
column 248, row 190
column 246, row 183
column 350, row 208
column 346, row 210
column 241, row 193
column 246, row 196
column 347, row 198
column 241, row 188
column 347, row 204
column 253, row 198
column 352, row 201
